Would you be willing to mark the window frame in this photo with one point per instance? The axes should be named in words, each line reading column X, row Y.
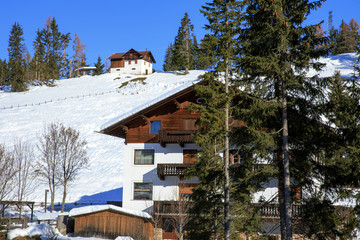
column 140, row 164
column 144, row 190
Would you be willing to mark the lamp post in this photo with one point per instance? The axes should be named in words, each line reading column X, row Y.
column 46, row 192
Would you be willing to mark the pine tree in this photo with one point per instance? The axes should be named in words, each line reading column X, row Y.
column 212, row 211
column 38, row 60
column 277, row 51
column 16, row 60
column 50, row 60
column 348, row 37
column 3, row 72
column 99, row 67
column 183, row 45
column 169, row 64
column 205, row 57
column 333, row 34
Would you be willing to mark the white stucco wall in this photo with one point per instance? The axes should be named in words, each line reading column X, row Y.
column 162, row 189
column 139, row 68
column 165, row 190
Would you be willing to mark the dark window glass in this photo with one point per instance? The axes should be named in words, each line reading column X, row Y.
column 144, row 156
column 143, row 191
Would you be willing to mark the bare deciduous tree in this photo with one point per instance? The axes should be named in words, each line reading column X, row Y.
column 47, row 163
column 7, row 172
column 23, row 156
column 62, row 155
column 180, row 214
column 73, row 157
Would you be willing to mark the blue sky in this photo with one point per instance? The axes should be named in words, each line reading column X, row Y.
column 110, row 26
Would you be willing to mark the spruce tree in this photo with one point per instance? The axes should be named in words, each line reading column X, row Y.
column 212, row 167
column 16, row 59
column 348, row 37
column 183, row 45
column 3, row 72
column 50, row 60
column 332, row 33
column 38, row 60
column 277, row 51
column 205, row 55
column 169, row 62
column 99, row 67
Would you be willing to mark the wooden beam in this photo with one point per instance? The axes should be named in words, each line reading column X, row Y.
column 178, row 105
column 124, row 128
column 145, row 118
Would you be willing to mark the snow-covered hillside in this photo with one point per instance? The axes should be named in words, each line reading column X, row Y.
column 86, row 104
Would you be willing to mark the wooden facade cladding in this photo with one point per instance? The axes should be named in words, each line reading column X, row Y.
column 110, row 224
column 117, row 63
column 171, row 112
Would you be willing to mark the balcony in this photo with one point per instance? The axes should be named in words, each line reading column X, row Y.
column 171, row 170
column 267, row 211
column 175, row 136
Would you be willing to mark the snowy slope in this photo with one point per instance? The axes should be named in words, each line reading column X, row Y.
column 90, row 103
column 69, row 102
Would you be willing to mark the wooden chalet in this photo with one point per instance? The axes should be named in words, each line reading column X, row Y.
column 132, row 61
column 177, row 124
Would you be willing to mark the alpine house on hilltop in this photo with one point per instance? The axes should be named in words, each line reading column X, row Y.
column 132, row 62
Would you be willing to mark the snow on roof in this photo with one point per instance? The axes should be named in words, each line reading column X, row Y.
column 148, row 104
column 99, row 208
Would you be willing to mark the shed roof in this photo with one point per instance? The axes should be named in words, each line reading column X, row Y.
column 99, row 208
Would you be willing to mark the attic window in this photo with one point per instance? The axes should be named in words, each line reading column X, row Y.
column 155, row 127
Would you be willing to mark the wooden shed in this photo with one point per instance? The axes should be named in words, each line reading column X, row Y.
column 108, row 221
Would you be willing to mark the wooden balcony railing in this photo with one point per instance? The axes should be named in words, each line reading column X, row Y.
column 266, row 210
column 272, row 210
column 171, row 170
column 175, row 136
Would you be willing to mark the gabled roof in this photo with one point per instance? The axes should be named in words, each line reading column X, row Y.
column 141, row 54
column 181, row 92
column 99, row 208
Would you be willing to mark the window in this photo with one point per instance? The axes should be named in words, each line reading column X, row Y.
column 168, row 225
column 129, row 62
column 144, row 156
column 155, row 127
column 235, row 157
column 133, row 69
column 143, row 191
column 135, row 61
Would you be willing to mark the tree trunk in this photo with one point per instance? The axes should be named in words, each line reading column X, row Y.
column 52, row 193
column 285, row 156
column 226, row 159
column 187, row 50
column 281, row 194
column 64, row 197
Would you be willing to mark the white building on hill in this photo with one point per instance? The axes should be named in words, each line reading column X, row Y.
column 132, row 62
